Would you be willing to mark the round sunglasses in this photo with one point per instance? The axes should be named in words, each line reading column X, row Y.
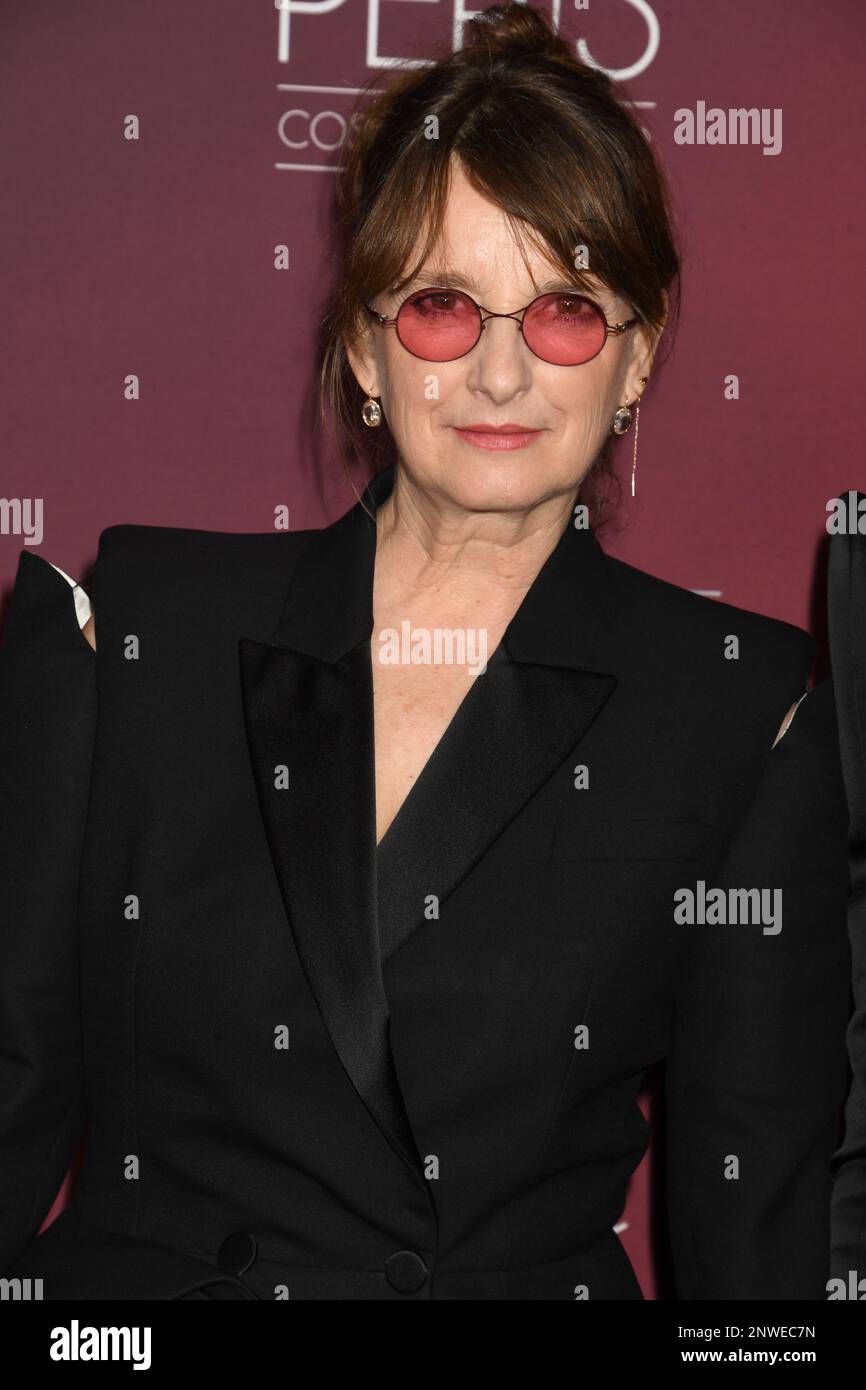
column 441, row 325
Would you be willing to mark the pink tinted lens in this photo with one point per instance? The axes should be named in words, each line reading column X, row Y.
column 438, row 325
column 564, row 329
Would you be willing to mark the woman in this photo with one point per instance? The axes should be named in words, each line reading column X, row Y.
column 394, row 840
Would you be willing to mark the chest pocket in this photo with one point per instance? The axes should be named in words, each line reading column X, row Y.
column 672, row 840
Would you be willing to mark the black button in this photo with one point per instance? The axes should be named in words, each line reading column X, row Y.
column 405, row 1271
column 237, row 1252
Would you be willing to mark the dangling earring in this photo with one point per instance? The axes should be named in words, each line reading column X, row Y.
column 371, row 412
column 622, row 424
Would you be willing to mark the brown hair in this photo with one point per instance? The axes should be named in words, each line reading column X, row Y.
column 541, row 135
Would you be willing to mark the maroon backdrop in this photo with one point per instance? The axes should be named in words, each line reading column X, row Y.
column 155, row 257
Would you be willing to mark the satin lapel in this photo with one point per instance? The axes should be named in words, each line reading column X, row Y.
column 520, row 720
column 512, row 731
column 307, row 699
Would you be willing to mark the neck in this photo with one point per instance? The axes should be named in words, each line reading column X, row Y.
column 426, row 541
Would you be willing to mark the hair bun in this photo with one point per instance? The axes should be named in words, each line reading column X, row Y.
column 514, row 29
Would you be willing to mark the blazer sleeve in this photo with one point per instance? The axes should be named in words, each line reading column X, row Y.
column 757, row 1071
column 47, row 725
column 847, row 629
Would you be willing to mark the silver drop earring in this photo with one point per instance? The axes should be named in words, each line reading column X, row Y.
column 622, row 423
column 371, row 412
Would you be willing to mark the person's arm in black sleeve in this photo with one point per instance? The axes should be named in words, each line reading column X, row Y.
column 847, row 623
column 757, row 1072
column 47, row 724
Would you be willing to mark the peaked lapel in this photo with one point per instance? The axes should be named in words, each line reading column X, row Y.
column 308, row 707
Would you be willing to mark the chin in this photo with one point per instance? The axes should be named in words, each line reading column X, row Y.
column 501, row 482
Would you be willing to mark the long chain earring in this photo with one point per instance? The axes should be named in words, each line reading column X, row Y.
column 622, row 423
column 371, row 412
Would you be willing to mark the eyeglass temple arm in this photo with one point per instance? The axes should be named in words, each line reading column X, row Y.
column 380, row 318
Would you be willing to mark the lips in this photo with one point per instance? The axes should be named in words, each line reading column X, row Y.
column 497, row 429
column 507, row 436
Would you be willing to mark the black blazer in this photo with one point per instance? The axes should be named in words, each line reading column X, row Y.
column 847, row 627
column 315, row 1070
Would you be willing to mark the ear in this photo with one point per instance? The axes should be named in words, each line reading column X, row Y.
column 645, row 342
column 362, row 360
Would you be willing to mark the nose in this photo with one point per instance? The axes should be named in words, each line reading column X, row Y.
column 501, row 364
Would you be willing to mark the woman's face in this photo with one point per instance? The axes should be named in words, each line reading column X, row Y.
column 500, row 382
